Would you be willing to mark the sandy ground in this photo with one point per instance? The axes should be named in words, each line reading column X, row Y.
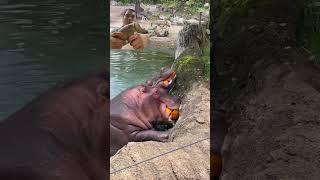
column 162, row 44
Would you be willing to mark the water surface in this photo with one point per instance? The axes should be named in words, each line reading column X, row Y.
column 46, row 42
column 128, row 68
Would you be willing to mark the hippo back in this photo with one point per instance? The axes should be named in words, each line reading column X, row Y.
column 61, row 134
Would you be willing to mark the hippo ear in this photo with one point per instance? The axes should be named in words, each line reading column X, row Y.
column 149, row 83
column 161, row 69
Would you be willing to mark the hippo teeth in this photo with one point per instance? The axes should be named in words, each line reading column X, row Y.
column 168, row 81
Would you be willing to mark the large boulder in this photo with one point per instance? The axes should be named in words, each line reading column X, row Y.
column 191, row 40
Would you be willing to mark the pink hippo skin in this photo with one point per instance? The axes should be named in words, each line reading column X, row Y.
column 134, row 112
column 61, row 134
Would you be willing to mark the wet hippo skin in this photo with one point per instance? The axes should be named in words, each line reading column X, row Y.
column 134, row 112
column 60, row 135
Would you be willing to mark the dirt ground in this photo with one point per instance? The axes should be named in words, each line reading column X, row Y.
column 270, row 91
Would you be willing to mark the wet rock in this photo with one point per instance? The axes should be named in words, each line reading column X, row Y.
column 191, row 40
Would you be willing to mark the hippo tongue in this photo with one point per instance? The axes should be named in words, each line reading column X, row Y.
column 172, row 113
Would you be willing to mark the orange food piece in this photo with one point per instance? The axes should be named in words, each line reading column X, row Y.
column 215, row 164
column 175, row 115
column 168, row 111
column 166, row 82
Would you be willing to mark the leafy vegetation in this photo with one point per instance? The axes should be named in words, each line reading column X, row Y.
column 312, row 26
column 193, row 6
column 188, row 62
column 144, row 1
column 231, row 16
column 206, row 59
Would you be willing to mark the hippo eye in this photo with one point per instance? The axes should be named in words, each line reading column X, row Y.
column 162, row 69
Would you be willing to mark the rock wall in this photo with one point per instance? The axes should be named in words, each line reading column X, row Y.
column 270, row 93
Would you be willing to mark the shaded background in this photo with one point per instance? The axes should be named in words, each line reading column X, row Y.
column 46, row 42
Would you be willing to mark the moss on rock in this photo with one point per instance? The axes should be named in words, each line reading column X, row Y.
column 190, row 69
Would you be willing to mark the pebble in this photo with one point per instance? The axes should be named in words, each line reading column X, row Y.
column 283, row 24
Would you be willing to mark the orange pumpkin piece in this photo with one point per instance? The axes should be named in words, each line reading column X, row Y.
column 215, row 164
column 175, row 114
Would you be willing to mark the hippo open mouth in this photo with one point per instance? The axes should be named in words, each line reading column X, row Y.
column 168, row 81
column 170, row 113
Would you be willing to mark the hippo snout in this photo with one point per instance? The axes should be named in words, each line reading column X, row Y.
column 170, row 106
column 164, row 79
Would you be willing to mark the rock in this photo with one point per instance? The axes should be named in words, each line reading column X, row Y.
column 191, row 39
column 113, row 3
column 193, row 21
column 178, row 20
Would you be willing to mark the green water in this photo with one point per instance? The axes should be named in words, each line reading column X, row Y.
column 44, row 42
column 128, row 68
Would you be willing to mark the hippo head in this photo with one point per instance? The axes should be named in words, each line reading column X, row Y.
column 147, row 105
column 164, row 80
column 169, row 105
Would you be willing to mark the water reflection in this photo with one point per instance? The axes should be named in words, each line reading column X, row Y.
column 45, row 42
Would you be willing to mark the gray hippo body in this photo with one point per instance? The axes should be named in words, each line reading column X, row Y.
column 61, row 134
column 135, row 111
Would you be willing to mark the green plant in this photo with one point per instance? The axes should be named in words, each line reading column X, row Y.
column 233, row 11
column 127, row 1
column 197, row 6
column 206, row 59
column 144, row 1
column 312, row 26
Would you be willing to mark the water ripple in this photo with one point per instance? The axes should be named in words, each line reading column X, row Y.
column 128, row 68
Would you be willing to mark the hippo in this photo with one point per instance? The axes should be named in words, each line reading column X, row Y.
column 134, row 112
column 61, row 134
column 164, row 80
